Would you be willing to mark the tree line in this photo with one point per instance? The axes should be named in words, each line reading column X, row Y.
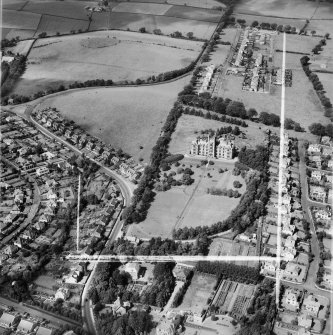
column 230, row 271
column 261, row 311
column 12, row 73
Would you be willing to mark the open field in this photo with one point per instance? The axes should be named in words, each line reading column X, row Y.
column 21, row 47
column 142, row 8
column 323, row 61
column 167, row 25
column 197, row 294
column 120, row 56
column 221, row 52
column 69, row 9
column 281, row 8
column 296, row 43
column 13, row 4
column 305, row 109
column 321, row 27
column 191, row 205
column 194, row 13
column 249, row 18
column 124, row 117
column 190, row 3
column 19, row 20
column 21, row 33
column 327, row 81
column 53, row 25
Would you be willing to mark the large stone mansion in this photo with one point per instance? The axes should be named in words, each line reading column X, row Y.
column 213, row 147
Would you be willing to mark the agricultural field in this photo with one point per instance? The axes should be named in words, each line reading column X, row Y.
column 120, row 56
column 197, row 294
column 125, row 117
column 191, row 13
column 191, row 205
column 281, row 8
column 12, row 19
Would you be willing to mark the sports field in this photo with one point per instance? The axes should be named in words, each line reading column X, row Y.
column 103, row 55
column 124, row 117
column 191, row 205
column 197, row 294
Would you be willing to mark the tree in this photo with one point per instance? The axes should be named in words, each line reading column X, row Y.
column 255, row 24
column 157, row 32
column 327, row 35
column 190, row 35
column 313, row 32
column 252, row 113
column 317, row 129
column 142, row 30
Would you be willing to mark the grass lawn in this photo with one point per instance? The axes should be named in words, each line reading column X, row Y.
column 190, row 206
column 120, row 56
column 189, row 124
column 45, row 281
column 279, row 8
column 195, row 299
column 124, row 117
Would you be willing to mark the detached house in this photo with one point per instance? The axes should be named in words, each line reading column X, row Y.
column 314, row 149
column 316, row 174
column 311, row 304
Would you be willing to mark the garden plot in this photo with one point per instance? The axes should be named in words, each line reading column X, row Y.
column 125, row 117
column 103, row 55
column 190, row 206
